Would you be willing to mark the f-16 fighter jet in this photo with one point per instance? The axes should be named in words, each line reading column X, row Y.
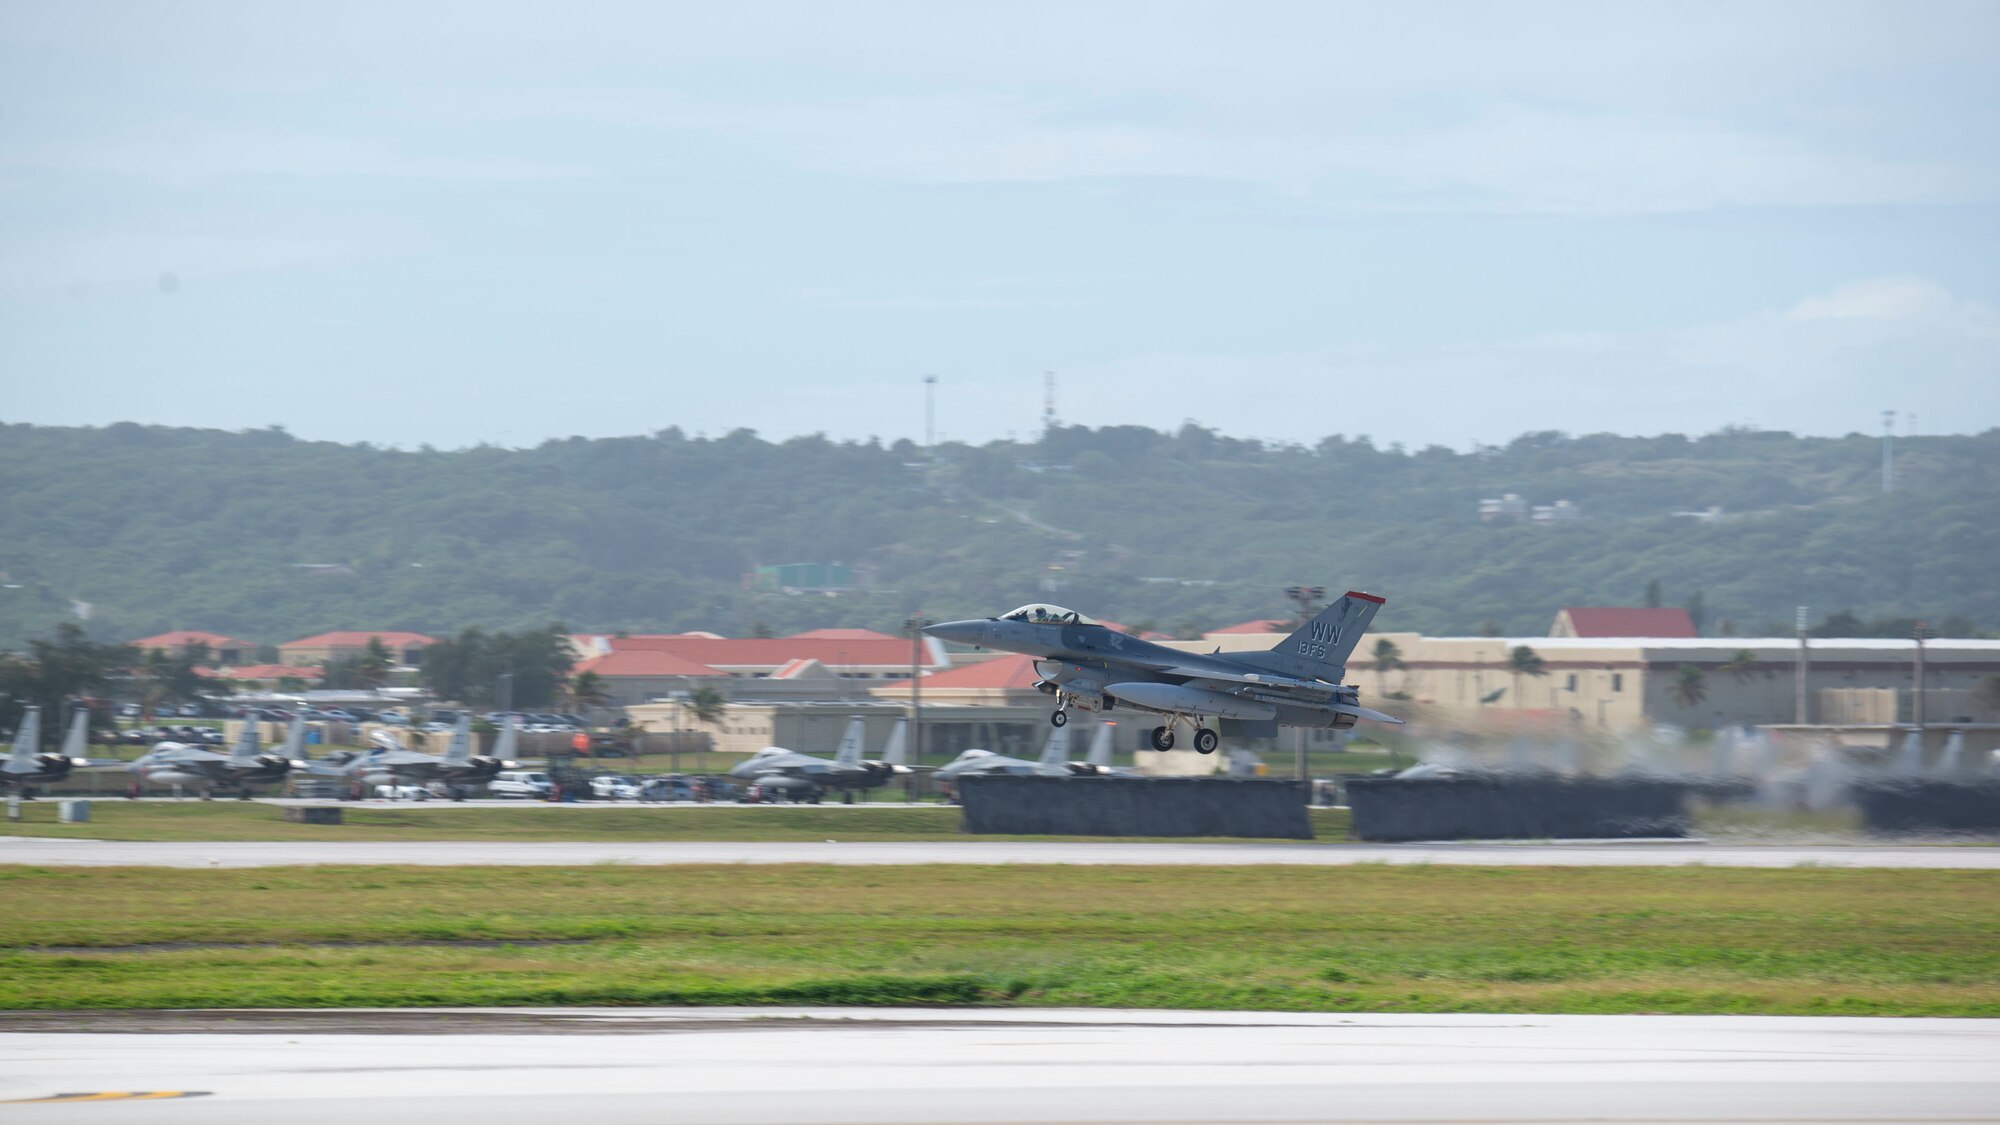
column 1296, row 684
column 27, row 766
column 177, row 763
column 392, row 763
column 802, row 775
column 1054, row 761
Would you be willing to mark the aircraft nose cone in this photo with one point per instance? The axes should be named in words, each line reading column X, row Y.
column 964, row 632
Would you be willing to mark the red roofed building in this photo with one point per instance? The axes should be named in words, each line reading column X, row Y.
column 1012, row 672
column 1283, row 626
column 265, row 673
column 329, row 647
column 874, row 657
column 222, row 650
column 1614, row 621
column 844, row 635
column 636, row 675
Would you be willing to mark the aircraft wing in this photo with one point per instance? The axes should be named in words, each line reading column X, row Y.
column 1261, row 679
column 1283, row 685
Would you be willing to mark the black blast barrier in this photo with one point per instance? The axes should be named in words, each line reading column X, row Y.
column 313, row 814
column 1929, row 806
column 1155, row 806
column 1517, row 808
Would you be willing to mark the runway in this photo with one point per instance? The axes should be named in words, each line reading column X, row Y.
column 901, row 1067
column 50, row 852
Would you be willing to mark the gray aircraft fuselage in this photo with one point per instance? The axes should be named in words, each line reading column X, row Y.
column 1294, row 684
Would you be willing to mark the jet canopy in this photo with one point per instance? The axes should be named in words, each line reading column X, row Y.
column 1042, row 613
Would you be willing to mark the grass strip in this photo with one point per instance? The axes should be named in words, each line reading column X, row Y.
column 1373, row 938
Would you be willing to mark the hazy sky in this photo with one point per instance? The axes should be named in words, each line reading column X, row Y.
column 497, row 221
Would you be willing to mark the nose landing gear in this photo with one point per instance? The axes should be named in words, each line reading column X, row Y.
column 1060, row 718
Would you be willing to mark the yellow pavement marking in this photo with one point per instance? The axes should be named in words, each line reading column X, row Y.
column 111, row 1096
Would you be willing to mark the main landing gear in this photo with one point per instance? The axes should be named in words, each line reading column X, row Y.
column 1205, row 740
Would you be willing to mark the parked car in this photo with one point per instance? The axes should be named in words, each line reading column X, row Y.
column 614, row 788
column 403, row 792
column 531, row 784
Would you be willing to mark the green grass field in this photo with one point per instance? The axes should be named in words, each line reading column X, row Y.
column 1368, row 938
column 250, row 820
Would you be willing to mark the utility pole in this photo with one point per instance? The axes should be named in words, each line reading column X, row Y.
column 1306, row 597
column 1802, row 714
column 1888, row 450
column 916, row 627
column 930, row 413
column 1048, row 403
column 1921, row 633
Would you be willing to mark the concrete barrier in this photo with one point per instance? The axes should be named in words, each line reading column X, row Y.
column 1515, row 807
column 1929, row 806
column 73, row 812
column 313, row 814
column 1165, row 806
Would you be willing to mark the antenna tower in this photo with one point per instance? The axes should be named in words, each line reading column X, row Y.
column 1048, row 402
column 1888, row 450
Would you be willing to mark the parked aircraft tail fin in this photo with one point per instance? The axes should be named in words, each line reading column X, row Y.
column 897, row 752
column 1055, row 752
column 28, row 737
column 1328, row 639
column 76, row 744
column 460, row 749
column 510, row 737
column 850, row 744
column 1100, row 745
column 245, row 750
column 295, row 739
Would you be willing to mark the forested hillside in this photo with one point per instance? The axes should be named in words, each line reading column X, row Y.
column 265, row 536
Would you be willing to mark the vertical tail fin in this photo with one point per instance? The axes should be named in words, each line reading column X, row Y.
column 76, row 744
column 1056, row 752
column 1100, row 745
column 28, row 739
column 460, row 749
column 295, row 739
column 897, row 753
column 1326, row 641
column 850, row 744
column 510, row 737
column 245, row 750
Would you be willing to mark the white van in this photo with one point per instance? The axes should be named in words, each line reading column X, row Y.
column 532, row 784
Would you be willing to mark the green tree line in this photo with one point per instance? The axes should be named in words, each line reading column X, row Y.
column 265, row 536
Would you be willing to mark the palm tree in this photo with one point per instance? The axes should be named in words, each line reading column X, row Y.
column 586, row 690
column 370, row 669
column 1742, row 664
column 1690, row 686
column 1987, row 694
column 1524, row 661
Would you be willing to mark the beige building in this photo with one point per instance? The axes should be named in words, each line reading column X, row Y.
column 1630, row 684
column 324, row 649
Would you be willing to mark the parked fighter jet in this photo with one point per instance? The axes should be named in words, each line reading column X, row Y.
column 1295, row 684
column 177, row 763
column 1054, row 761
column 802, row 776
column 27, row 766
column 392, row 763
